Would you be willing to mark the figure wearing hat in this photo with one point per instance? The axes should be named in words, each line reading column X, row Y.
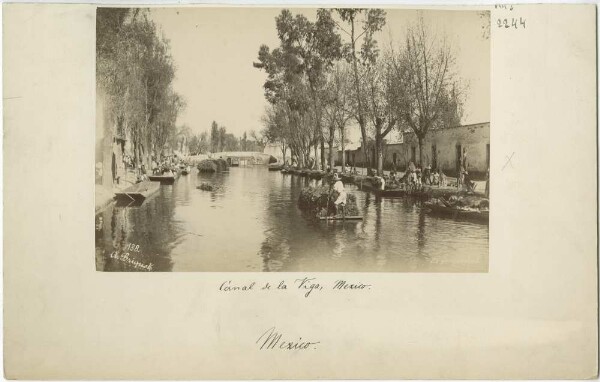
column 338, row 187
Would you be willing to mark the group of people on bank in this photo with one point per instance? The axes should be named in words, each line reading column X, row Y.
column 167, row 166
column 415, row 177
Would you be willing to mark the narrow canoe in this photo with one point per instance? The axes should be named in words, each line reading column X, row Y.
column 138, row 192
column 459, row 213
column 356, row 217
column 385, row 193
column 163, row 179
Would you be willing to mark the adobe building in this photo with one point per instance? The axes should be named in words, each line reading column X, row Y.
column 442, row 149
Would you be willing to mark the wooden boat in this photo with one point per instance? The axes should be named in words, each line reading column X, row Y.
column 471, row 214
column 186, row 170
column 285, row 170
column 275, row 167
column 396, row 192
column 163, row 179
column 356, row 217
column 138, row 192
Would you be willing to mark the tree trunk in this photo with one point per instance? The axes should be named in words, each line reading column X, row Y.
column 343, row 150
column 306, row 159
column 323, row 157
column 283, row 151
column 367, row 162
column 331, row 156
column 379, row 153
column 331, row 140
column 420, row 151
column 136, row 157
column 361, row 118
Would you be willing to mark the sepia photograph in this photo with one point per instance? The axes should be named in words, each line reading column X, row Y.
column 290, row 140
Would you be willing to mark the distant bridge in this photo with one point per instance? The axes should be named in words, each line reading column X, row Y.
column 250, row 157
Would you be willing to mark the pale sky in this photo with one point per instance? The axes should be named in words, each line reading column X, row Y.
column 214, row 49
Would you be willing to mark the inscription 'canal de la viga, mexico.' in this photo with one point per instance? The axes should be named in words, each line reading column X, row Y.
column 271, row 339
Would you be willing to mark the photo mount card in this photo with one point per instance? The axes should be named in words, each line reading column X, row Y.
column 272, row 201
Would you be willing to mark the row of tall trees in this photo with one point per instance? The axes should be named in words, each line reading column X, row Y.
column 135, row 70
column 218, row 139
column 329, row 73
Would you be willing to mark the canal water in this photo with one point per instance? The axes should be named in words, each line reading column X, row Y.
column 251, row 222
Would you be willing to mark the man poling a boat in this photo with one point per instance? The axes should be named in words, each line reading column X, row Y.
column 338, row 187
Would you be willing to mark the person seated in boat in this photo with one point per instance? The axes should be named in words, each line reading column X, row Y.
column 426, row 179
column 418, row 175
column 393, row 179
column 413, row 179
column 404, row 180
column 381, row 183
column 435, row 178
column 338, row 187
column 376, row 182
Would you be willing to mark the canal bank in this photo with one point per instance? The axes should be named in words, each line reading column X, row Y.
column 104, row 196
column 369, row 184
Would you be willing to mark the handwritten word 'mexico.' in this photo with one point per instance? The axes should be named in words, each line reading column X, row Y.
column 271, row 339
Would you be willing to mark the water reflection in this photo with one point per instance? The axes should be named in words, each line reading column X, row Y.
column 250, row 222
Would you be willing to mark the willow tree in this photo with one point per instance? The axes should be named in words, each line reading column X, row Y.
column 433, row 92
column 135, row 69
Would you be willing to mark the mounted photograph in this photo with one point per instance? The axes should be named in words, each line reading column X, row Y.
column 292, row 140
